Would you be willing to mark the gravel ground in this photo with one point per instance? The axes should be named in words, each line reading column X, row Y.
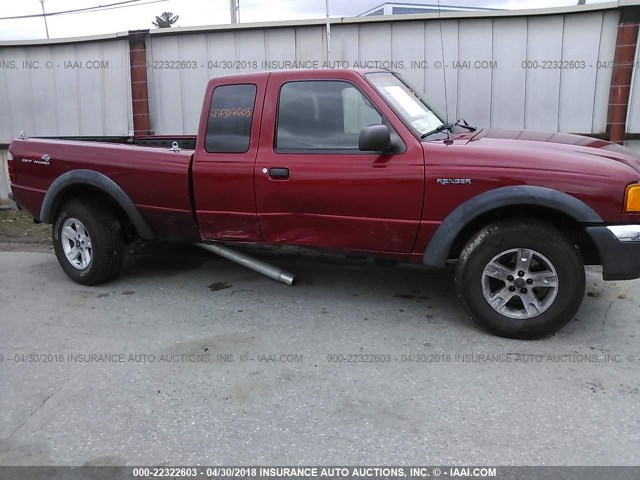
column 19, row 233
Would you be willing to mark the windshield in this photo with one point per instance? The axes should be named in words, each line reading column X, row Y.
column 405, row 101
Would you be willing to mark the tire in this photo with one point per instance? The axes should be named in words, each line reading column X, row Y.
column 534, row 305
column 88, row 241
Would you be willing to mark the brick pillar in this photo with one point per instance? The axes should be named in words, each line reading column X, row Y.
column 622, row 74
column 139, row 85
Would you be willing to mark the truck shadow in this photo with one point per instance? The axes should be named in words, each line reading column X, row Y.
column 163, row 259
column 327, row 283
column 404, row 292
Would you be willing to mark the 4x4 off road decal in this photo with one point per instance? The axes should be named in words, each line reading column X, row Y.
column 37, row 159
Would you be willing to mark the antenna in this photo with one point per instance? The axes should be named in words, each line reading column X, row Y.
column 444, row 68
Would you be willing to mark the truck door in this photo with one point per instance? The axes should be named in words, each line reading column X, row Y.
column 313, row 185
column 227, row 144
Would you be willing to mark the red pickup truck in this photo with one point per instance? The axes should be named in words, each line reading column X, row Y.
column 356, row 162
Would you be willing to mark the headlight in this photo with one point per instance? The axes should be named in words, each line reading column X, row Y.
column 632, row 199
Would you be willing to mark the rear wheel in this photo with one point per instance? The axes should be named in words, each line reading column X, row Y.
column 88, row 241
column 521, row 280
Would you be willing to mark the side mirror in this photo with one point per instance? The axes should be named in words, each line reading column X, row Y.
column 375, row 138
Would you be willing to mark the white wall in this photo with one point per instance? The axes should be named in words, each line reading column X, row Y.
column 509, row 96
column 53, row 100
column 59, row 101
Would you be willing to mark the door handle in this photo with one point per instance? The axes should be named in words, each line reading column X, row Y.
column 279, row 173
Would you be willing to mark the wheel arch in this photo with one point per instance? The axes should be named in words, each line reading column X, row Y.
column 85, row 183
column 559, row 209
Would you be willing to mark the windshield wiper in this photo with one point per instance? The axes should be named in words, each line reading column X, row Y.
column 461, row 122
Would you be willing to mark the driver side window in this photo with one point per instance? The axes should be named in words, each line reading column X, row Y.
column 322, row 115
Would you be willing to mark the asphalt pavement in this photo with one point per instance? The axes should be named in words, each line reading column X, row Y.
column 188, row 359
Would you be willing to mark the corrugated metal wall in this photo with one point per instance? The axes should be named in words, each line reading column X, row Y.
column 56, row 99
column 59, row 101
column 550, row 99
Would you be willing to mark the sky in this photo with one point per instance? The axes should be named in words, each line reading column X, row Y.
column 141, row 13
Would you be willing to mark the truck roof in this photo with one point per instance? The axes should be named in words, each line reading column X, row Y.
column 302, row 72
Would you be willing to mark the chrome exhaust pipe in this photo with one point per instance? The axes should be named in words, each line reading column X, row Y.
column 249, row 262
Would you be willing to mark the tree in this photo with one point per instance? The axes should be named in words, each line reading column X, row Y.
column 166, row 20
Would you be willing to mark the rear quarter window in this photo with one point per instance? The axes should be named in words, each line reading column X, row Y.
column 230, row 115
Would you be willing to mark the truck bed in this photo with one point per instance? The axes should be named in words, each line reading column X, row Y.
column 187, row 142
column 156, row 178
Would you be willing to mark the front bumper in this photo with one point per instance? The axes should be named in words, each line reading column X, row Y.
column 619, row 248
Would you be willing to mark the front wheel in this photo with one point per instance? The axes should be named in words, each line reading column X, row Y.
column 521, row 280
column 88, row 242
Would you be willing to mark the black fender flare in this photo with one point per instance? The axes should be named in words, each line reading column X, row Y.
column 437, row 252
column 101, row 182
